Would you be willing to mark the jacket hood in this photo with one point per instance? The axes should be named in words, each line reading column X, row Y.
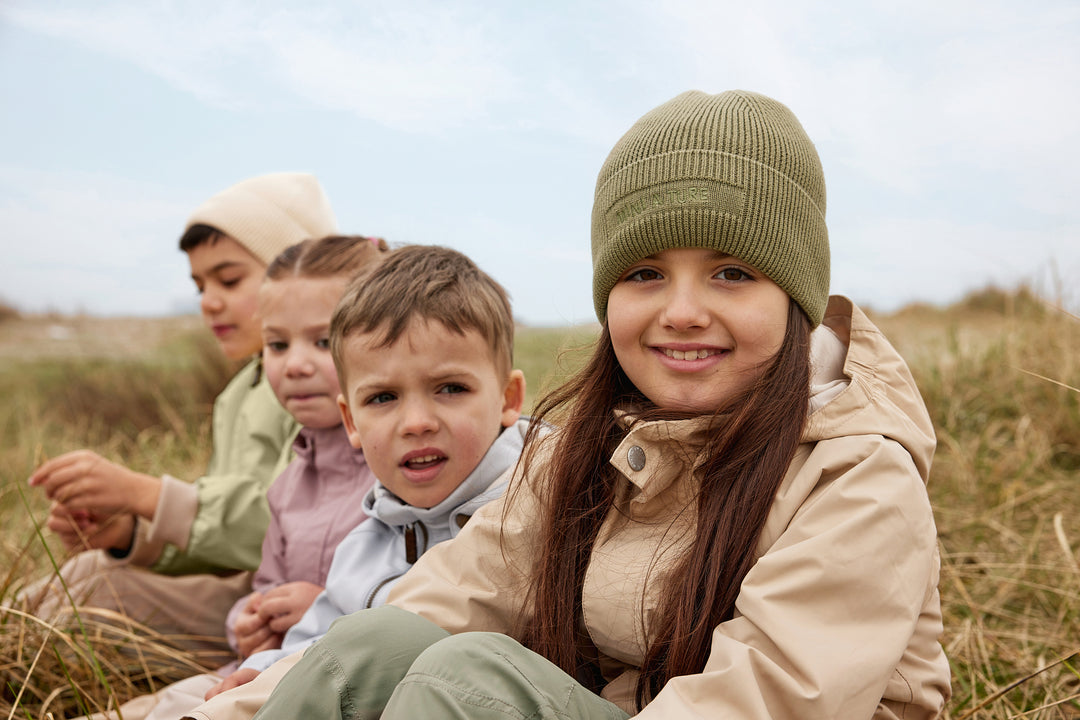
column 880, row 396
column 486, row 482
column 859, row 386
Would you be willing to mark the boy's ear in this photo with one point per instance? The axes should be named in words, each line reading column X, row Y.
column 347, row 420
column 513, row 398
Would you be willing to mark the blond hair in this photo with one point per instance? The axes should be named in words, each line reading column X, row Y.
column 431, row 283
column 331, row 256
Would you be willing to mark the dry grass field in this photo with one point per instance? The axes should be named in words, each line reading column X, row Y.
column 999, row 372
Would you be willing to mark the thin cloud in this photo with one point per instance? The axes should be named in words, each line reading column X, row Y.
column 423, row 69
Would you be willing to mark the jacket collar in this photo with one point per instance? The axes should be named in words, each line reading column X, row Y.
column 486, row 482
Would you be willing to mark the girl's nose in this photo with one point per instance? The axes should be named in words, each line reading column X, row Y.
column 298, row 363
column 684, row 308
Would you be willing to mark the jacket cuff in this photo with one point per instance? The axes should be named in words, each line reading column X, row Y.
column 173, row 516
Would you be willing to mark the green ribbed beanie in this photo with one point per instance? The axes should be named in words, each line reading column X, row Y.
column 734, row 172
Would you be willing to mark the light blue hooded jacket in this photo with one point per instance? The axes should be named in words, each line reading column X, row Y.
column 378, row 551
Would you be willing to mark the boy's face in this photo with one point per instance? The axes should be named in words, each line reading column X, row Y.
column 426, row 408
column 295, row 314
column 228, row 278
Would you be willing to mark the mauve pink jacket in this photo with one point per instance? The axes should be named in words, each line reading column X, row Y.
column 314, row 503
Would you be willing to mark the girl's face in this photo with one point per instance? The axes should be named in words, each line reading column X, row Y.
column 692, row 327
column 295, row 315
column 228, row 278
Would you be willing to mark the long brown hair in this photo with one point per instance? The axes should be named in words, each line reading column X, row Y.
column 755, row 438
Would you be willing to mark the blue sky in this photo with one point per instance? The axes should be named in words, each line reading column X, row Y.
column 948, row 132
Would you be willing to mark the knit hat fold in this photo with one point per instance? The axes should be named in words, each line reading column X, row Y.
column 734, row 172
column 268, row 213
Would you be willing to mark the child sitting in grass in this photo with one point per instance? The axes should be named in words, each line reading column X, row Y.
column 423, row 348
column 319, row 496
column 168, row 553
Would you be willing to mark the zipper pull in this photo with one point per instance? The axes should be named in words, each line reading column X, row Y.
column 410, row 544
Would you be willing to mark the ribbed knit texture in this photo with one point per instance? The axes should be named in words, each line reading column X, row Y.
column 733, row 172
column 268, row 213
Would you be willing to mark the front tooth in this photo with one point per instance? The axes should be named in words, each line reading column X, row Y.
column 426, row 458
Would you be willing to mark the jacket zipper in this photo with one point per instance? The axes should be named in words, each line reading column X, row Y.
column 413, row 551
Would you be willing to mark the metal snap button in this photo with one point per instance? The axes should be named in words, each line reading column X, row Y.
column 636, row 457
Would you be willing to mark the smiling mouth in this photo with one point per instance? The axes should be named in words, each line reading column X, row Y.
column 699, row 354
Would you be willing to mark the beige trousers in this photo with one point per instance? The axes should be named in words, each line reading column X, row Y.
column 189, row 610
column 169, row 703
column 241, row 703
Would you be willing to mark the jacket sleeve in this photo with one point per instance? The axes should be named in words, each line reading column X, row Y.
column 824, row 617
column 252, row 439
column 271, row 572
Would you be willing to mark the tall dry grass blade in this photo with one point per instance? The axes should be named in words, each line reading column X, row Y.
column 95, row 665
column 1048, row 706
column 1047, row 379
column 1063, row 541
column 1015, row 684
column 71, row 683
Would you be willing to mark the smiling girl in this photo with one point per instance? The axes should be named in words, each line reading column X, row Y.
column 731, row 521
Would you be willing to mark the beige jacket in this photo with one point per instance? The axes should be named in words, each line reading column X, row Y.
column 839, row 618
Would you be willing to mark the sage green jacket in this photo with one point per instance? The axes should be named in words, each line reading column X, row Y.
column 217, row 523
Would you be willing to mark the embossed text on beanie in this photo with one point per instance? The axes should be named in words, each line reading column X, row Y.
column 717, row 196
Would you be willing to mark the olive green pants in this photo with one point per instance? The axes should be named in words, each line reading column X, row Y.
column 389, row 663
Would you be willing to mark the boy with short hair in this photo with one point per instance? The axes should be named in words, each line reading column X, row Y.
column 423, row 348
column 206, row 532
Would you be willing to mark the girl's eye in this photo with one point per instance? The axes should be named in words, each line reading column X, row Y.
column 380, row 398
column 733, row 274
column 453, row 388
column 277, row 346
column 643, row 275
column 323, row 343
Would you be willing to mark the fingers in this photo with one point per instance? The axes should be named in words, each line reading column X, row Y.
column 271, row 643
column 253, row 602
column 216, row 690
column 282, row 623
column 58, row 472
column 84, row 479
column 284, row 605
column 71, row 527
column 238, row 678
column 63, row 468
column 252, row 642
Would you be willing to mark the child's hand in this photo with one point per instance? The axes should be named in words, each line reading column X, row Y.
column 238, row 678
column 83, row 480
column 283, row 606
column 253, row 633
column 83, row 530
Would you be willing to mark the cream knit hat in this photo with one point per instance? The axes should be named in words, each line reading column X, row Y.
column 734, row 172
column 268, row 213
